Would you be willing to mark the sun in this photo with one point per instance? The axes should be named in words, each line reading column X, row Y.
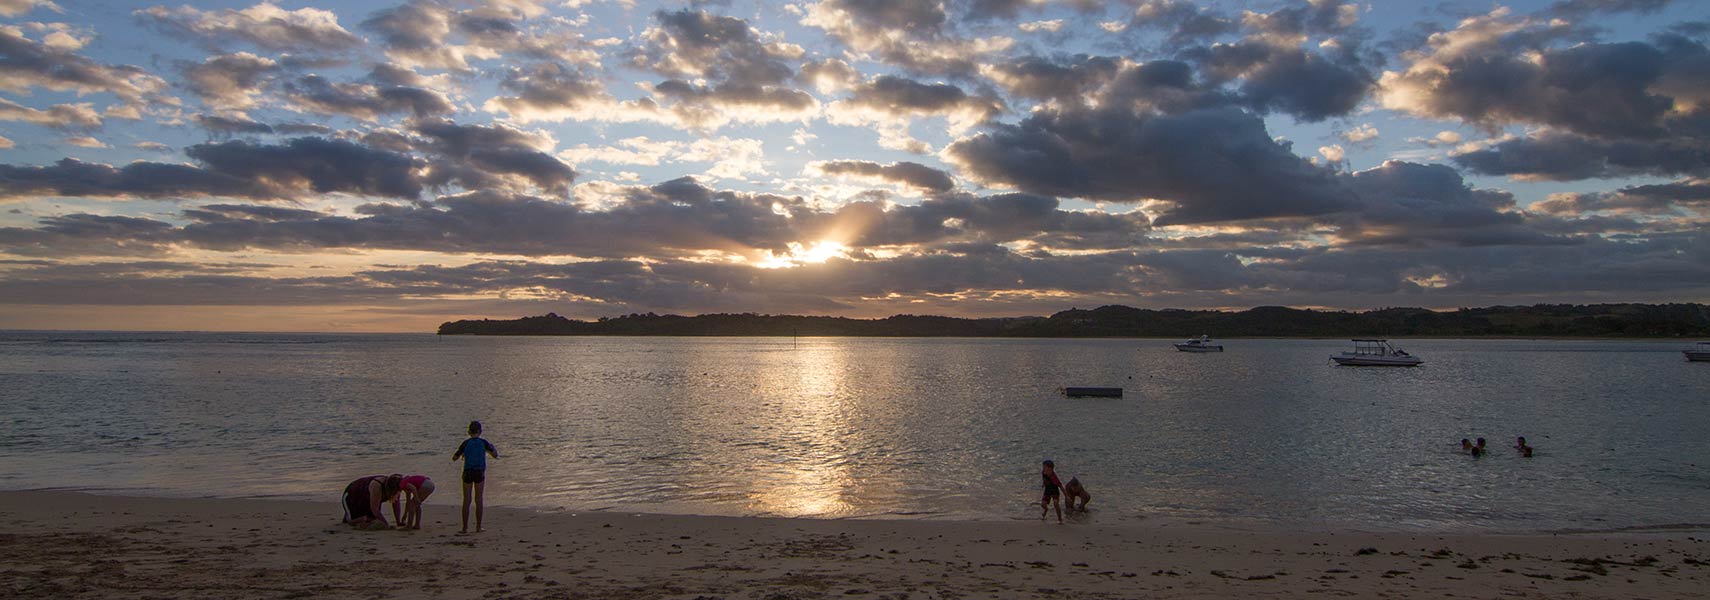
column 799, row 255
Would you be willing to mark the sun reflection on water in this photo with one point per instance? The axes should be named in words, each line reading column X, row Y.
column 813, row 478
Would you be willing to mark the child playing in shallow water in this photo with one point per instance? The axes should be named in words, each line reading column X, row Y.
column 1053, row 492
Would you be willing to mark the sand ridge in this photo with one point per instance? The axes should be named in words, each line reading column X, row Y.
column 75, row 545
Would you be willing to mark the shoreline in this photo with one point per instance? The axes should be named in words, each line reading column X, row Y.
column 82, row 545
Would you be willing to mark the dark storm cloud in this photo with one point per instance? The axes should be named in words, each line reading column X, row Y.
column 1568, row 157
column 488, row 156
column 1214, row 164
column 314, row 93
column 910, row 173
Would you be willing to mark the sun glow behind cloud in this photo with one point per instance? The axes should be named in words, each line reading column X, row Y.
column 799, row 255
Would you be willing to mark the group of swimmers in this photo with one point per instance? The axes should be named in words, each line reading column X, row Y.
column 363, row 498
column 1477, row 449
column 1055, row 489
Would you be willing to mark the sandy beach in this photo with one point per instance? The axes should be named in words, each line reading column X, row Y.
column 76, row 545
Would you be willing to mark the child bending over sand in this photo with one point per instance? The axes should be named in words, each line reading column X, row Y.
column 415, row 488
column 1074, row 490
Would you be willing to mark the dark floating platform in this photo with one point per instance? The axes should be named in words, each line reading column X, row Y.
column 1093, row 392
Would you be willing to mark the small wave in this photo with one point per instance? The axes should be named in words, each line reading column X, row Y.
column 1669, row 527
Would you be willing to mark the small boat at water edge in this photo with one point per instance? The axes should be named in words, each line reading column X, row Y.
column 1700, row 352
column 1376, row 353
column 1202, row 343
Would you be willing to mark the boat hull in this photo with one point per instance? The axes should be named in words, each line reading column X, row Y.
column 1193, row 348
column 1377, row 361
column 1697, row 356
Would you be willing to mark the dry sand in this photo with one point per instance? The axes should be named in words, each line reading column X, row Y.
column 72, row 545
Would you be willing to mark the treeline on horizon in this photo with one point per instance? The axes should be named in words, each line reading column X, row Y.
column 1544, row 320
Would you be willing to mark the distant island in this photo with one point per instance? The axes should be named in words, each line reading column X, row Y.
column 1542, row 320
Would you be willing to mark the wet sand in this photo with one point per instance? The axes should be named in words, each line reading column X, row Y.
column 74, row 545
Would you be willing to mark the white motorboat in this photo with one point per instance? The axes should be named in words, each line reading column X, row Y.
column 1202, row 343
column 1376, row 353
column 1700, row 352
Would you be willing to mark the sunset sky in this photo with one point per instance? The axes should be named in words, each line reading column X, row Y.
column 385, row 166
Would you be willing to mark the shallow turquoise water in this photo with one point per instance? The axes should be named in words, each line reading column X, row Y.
column 1267, row 434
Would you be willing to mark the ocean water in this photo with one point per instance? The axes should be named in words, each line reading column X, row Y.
column 1268, row 434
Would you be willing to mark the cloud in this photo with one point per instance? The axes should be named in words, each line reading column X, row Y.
column 720, row 70
column 30, row 64
column 59, row 116
column 84, row 141
column 1185, row 22
column 230, row 125
column 229, row 82
column 426, row 33
column 1653, row 199
column 1414, row 204
column 729, row 157
column 1582, row 8
column 13, row 8
column 917, row 175
column 1558, row 156
column 1069, row 80
column 550, row 92
column 1365, row 132
column 317, row 94
column 6, row 143
column 1494, row 70
column 480, row 157
column 1116, row 155
column 265, row 25
column 892, row 103
column 238, row 169
column 916, row 35
column 828, row 75
column 678, row 219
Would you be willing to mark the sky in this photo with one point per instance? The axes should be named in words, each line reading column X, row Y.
column 386, row 166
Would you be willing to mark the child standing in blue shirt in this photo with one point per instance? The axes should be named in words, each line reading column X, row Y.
column 474, row 453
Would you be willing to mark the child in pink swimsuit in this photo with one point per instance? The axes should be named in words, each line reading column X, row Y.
column 415, row 489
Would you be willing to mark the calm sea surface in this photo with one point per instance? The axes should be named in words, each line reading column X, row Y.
column 1268, row 434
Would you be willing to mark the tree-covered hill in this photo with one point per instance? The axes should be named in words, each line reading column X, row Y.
column 1594, row 320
